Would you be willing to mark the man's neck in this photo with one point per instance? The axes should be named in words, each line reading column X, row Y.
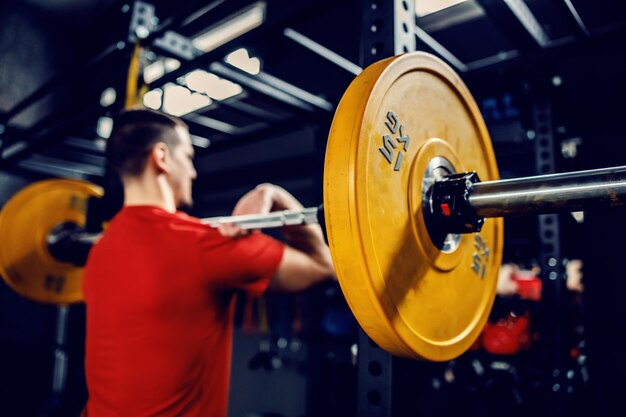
column 149, row 191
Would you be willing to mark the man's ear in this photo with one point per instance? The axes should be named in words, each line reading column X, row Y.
column 160, row 157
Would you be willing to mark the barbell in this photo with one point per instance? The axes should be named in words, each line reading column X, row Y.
column 413, row 211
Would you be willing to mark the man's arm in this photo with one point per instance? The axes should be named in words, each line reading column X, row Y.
column 306, row 260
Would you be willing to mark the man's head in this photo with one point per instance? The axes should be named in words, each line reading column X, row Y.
column 147, row 140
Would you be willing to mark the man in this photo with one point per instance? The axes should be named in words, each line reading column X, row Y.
column 160, row 286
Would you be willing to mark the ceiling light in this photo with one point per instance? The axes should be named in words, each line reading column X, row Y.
column 178, row 100
column 425, row 7
column 242, row 60
column 159, row 68
column 579, row 216
column 198, row 101
column 104, row 127
column 108, row 97
column 211, row 85
column 153, row 99
column 232, row 27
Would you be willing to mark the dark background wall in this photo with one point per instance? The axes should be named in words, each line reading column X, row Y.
column 37, row 41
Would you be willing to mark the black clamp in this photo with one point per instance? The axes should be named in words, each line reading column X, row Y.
column 449, row 207
column 69, row 243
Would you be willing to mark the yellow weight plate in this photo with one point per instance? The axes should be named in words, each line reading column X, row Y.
column 25, row 222
column 402, row 122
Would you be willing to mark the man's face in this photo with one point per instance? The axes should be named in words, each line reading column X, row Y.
column 182, row 171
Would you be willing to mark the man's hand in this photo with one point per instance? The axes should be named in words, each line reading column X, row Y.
column 307, row 259
column 256, row 201
column 263, row 199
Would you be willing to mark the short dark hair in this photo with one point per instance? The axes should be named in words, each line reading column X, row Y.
column 134, row 134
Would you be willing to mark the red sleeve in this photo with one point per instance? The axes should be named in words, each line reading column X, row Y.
column 246, row 263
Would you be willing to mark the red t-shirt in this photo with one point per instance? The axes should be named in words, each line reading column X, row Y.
column 160, row 295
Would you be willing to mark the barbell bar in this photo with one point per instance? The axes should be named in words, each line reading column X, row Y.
column 309, row 215
column 457, row 196
column 415, row 235
column 453, row 204
column 452, row 197
column 68, row 242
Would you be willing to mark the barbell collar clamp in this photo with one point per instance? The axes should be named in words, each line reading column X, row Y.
column 68, row 242
column 460, row 203
column 447, row 207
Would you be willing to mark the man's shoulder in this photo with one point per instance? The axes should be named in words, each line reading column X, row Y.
column 150, row 221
